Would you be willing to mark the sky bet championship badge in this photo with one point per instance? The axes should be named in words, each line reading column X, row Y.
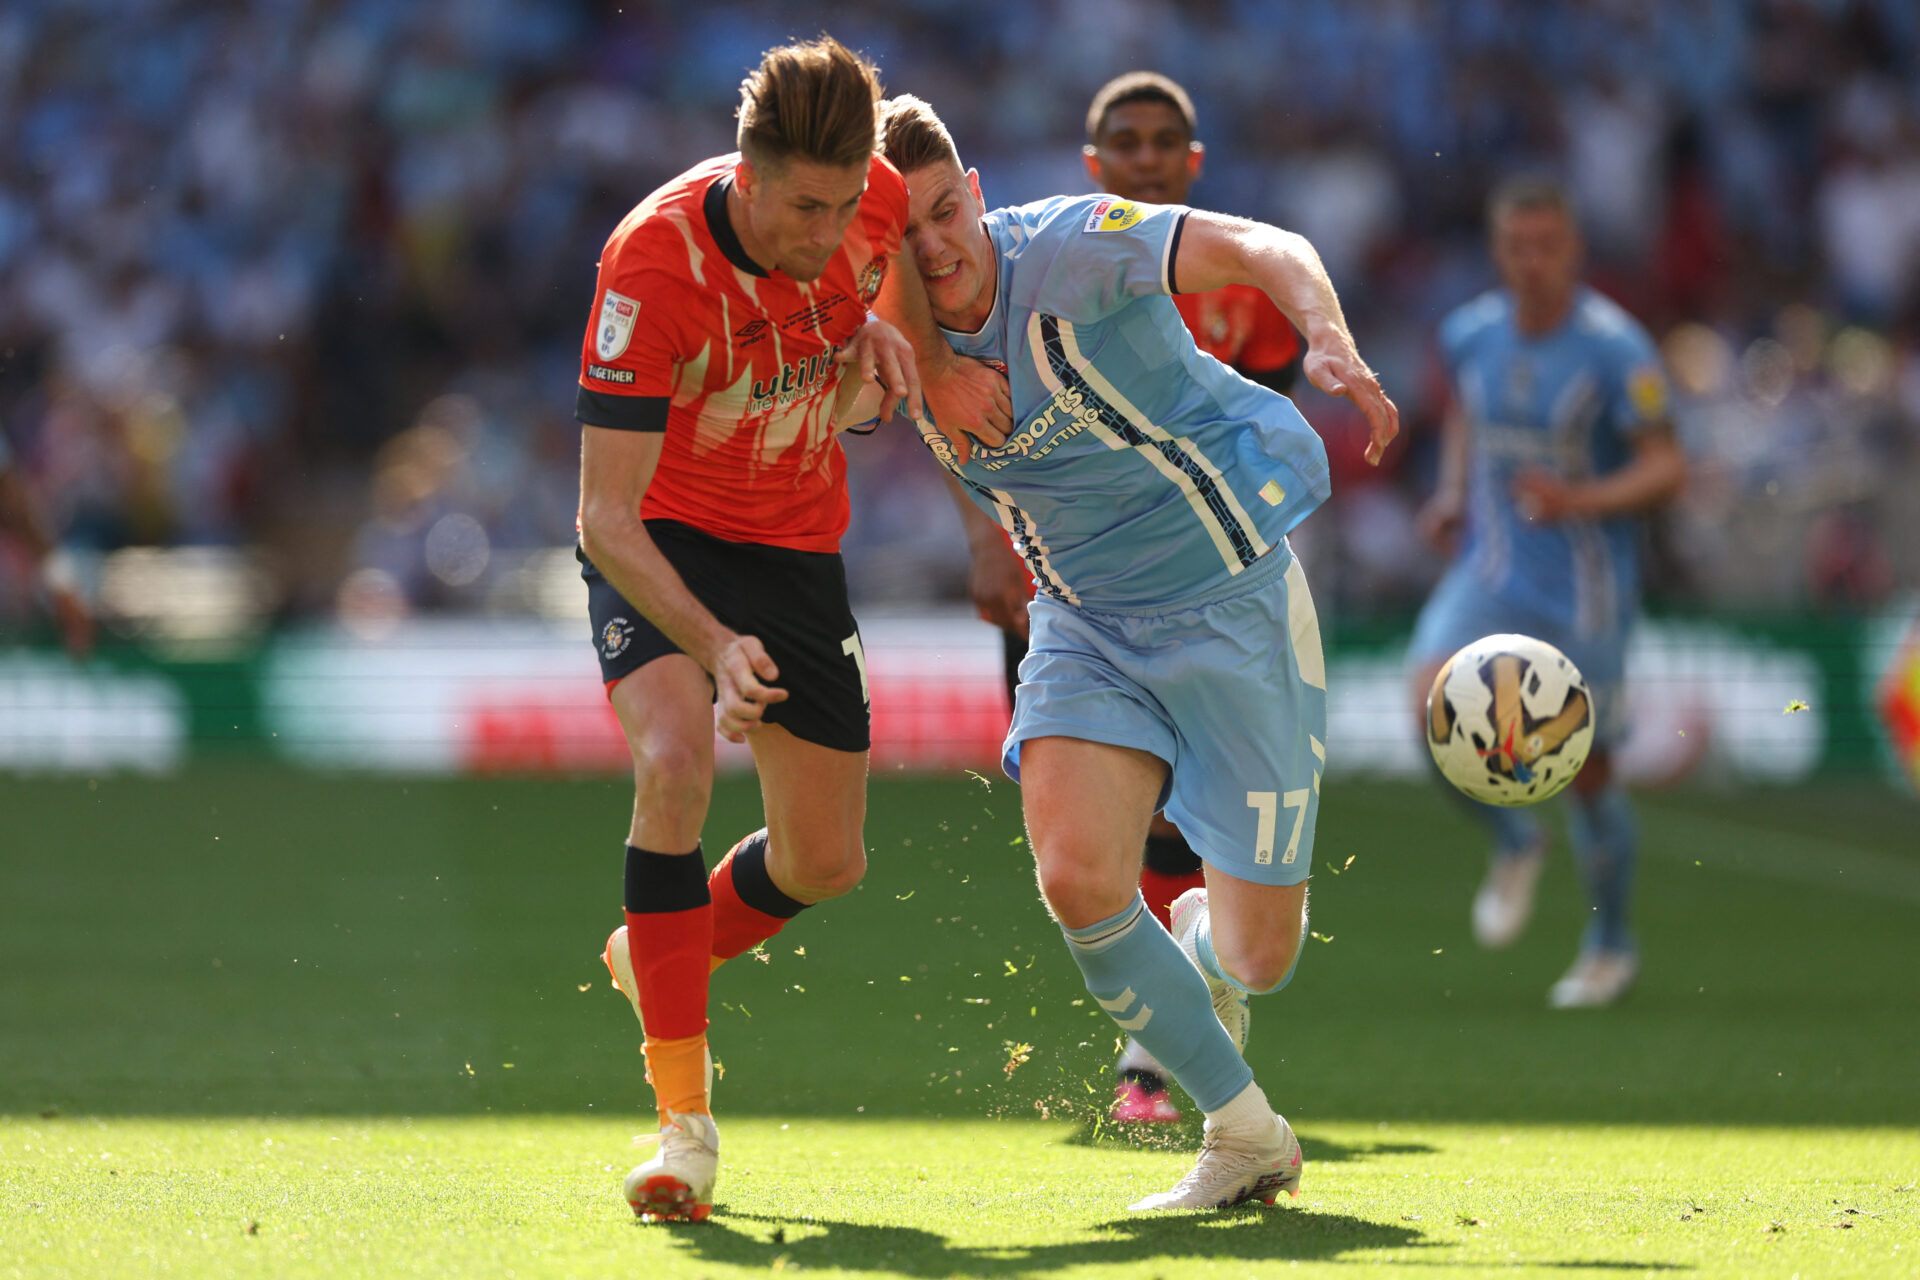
column 615, row 330
column 1112, row 215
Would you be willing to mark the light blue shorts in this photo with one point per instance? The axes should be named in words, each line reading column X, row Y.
column 1461, row 610
column 1230, row 690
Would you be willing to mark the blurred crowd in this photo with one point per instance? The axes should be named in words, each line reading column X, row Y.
column 308, row 277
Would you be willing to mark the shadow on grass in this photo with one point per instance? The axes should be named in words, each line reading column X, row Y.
column 1185, row 1136
column 1250, row 1233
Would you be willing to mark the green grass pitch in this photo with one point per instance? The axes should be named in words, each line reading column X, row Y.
column 260, row 1023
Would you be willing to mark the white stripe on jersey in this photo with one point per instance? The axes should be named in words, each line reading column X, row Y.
column 1025, row 532
column 1018, row 523
column 1222, row 541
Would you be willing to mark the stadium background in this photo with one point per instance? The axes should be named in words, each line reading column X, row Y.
column 323, row 838
column 291, row 294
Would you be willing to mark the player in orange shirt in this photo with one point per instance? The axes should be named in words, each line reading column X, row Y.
column 1141, row 146
column 730, row 305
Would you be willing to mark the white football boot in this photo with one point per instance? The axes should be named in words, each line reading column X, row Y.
column 677, row 1184
column 1229, row 1002
column 1235, row 1168
column 1504, row 903
column 619, row 962
column 1597, row 978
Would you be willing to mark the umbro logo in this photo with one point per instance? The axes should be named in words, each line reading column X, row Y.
column 750, row 330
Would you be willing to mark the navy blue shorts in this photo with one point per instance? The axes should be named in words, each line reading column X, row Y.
column 793, row 602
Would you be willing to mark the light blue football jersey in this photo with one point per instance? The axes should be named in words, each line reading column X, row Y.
column 1142, row 472
column 1568, row 402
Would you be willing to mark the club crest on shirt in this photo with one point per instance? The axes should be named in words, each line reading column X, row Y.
column 615, row 330
column 615, row 637
column 1112, row 215
column 872, row 276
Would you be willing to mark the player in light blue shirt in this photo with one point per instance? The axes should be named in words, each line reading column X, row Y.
column 1557, row 441
column 1174, row 657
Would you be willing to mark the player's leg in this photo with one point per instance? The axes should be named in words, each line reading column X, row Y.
column 1169, row 869
column 1251, row 720
column 1140, row 1091
column 811, row 754
column 665, row 709
column 1455, row 615
column 810, row 850
column 1087, row 805
column 1605, row 837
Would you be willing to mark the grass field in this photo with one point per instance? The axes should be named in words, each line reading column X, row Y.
column 254, row 1022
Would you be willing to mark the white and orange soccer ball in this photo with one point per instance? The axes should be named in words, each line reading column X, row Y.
column 1509, row 720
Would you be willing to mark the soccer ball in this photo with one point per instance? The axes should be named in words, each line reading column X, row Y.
column 1509, row 720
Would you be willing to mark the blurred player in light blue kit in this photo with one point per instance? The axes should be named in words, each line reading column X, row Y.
column 1174, row 655
column 1557, row 440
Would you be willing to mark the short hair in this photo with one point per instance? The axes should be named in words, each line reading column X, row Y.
column 817, row 101
column 1139, row 86
column 914, row 135
column 1528, row 191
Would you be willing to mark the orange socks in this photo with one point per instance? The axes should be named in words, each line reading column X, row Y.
column 677, row 1070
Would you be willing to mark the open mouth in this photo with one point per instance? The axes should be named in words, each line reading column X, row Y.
column 942, row 273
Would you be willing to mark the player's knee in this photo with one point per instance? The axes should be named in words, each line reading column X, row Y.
column 1078, row 893
column 821, row 869
column 671, row 777
column 1260, row 965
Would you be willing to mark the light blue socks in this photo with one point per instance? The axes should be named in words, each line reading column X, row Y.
column 1141, row 977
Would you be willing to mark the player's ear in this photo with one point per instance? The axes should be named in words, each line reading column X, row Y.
column 1089, row 154
column 1196, row 155
column 973, row 185
column 745, row 177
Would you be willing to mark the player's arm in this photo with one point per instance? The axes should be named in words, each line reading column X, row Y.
column 964, row 396
column 1215, row 250
column 997, row 579
column 1442, row 516
column 616, row 466
column 1652, row 478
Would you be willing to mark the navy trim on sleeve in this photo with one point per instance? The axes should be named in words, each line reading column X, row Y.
column 621, row 413
column 1173, row 253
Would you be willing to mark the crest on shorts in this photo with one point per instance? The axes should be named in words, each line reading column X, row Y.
column 1112, row 215
column 615, row 328
column 615, row 637
column 871, row 277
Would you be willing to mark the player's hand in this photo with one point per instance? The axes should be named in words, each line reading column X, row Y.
column 971, row 398
column 880, row 352
column 1440, row 522
column 1542, row 497
column 998, row 583
column 741, row 694
column 1341, row 372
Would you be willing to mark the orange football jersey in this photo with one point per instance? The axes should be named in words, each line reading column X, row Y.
column 1239, row 326
column 736, row 364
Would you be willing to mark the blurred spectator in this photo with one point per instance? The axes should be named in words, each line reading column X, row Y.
column 246, row 250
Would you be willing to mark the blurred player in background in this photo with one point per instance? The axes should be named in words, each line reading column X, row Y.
column 1141, row 145
column 21, row 518
column 1174, row 657
column 1556, row 441
column 712, row 501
